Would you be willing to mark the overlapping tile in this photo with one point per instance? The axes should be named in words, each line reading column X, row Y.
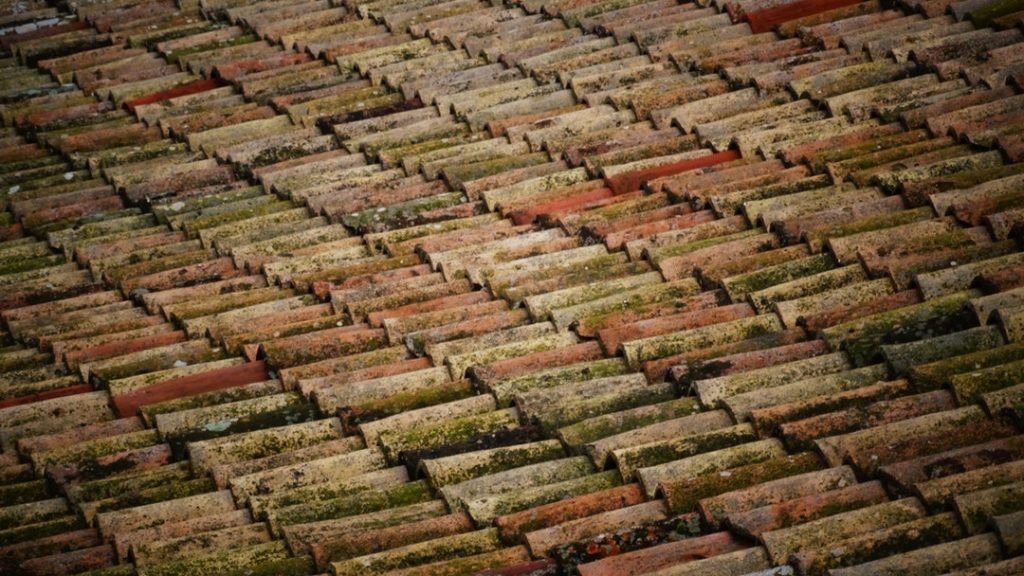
column 526, row 261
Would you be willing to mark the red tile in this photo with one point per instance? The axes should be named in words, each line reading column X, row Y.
column 47, row 342
column 764, row 20
column 468, row 298
column 210, row 271
column 564, row 205
column 683, row 495
column 183, row 90
column 973, row 211
column 497, row 128
column 230, row 377
column 234, row 70
column 611, row 337
column 514, row 525
column 663, row 556
column 68, row 391
column 95, row 140
column 778, row 51
column 685, row 265
column 565, row 218
column 11, row 232
column 633, row 180
column 768, row 419
column 78, row 210
column 589, row 327
column 122, row 347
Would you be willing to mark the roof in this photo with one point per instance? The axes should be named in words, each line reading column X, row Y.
column 525, row 287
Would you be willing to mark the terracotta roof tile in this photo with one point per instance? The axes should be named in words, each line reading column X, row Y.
column 731, row 199
column 14, row 554
column 330, row 469
column 692, row 467
column 868, row 459
column 411, row 273
column 379, row 387
column 956, row 555
column 711, row 552
column 631, row 214
column 349, row 495
column 85, row 559
column 996, row 568
column 799, row 433
column 909, row 535
column 461, row 545
column 359, row 507
column 760, row 332
column 163, row 551
column 588, row 527
column 940, row 492
column 479, row 562
column 830, row 27
column 756, row 521
column 533, row 378
column 524, row 476
column 484, row 510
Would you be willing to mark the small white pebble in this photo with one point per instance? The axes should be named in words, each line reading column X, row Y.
column 69, row 175
column 13, row 189
column 180, row 363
